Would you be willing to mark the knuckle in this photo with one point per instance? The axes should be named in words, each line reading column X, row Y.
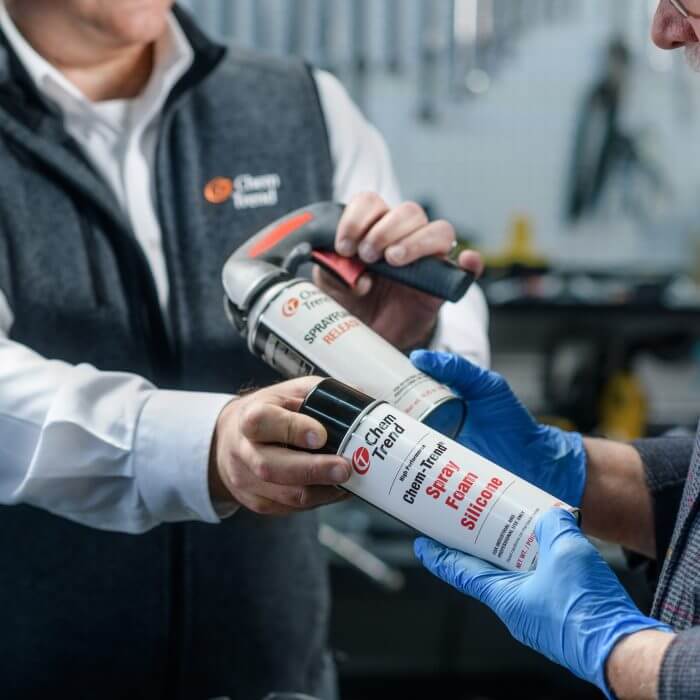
column 234, row 477
column 291, row 429
column 352, row 229
column 254, row 462
column 310, row 474
column 413, row 210
column 446, row 230
column 263, row 470
column 370, row 199
column 379, row 237
column 251, row 419
column 302, row 498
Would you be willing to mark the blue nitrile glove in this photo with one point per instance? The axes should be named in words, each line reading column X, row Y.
column 501, row 429
column 572, row 608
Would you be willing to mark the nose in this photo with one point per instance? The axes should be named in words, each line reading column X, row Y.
column 670, row 30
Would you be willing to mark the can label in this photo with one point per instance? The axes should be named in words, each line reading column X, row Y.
column 278, row 355
column 443, row 489
column 303, row 330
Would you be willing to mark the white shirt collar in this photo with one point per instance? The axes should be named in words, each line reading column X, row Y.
column 173, row 58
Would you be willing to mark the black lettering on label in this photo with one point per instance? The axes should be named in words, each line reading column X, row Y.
column 413, row 490
column 431, row 460
column 326, row 322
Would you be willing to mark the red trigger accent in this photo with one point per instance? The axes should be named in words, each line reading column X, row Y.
column 279, row 233
column 348, row 269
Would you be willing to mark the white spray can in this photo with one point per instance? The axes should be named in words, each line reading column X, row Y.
column 428, row 481
column 299, row 330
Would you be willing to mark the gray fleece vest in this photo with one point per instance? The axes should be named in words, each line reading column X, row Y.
column 185, row 611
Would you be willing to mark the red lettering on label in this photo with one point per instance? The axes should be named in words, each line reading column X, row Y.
column 461, row 491
column 340, row 329
column 439, row 486
column 476, row 508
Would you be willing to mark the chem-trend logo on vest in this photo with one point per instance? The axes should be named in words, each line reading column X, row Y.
column 245, row 191
column 361, row 460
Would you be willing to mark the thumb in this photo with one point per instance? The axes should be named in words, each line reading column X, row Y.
column 552, row 525
column 470, row 575
column 468, row 380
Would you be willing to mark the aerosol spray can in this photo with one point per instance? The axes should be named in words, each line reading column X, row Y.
column 428, row 481
column 299, row 330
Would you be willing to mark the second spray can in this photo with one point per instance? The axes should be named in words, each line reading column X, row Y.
column 428, row 481
column 299, row 330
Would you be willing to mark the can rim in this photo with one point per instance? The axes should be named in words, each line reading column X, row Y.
column 442, row 402
column 356, row 422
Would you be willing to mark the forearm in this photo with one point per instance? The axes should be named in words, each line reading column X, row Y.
column 633, row 668
column 105, row 449
column 617, row 504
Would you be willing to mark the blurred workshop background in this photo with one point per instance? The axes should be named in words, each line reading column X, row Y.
column 550, row 133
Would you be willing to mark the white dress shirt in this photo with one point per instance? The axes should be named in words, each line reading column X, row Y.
column 108, row 449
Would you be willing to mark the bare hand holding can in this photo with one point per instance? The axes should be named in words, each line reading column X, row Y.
column 257, row 456
column 401, row 235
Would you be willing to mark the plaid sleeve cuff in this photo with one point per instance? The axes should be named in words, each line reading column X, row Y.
column 666, row 460
column 680, row 668
column 666, row 463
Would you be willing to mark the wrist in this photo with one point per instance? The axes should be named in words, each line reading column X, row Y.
column 425, row 341
column 218, row 491
column 633, row 666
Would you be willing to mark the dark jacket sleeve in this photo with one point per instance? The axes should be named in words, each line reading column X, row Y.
column 4, row 267
column 680, row 668
column 666, row 463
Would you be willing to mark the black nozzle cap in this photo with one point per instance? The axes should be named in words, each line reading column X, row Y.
column 336, row 406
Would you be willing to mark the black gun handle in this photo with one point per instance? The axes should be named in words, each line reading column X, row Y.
column 440, row 278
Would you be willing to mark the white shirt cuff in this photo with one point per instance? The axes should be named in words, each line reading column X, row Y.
column 171, row 454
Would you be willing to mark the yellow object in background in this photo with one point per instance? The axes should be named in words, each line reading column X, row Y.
column 623, row 408
column 558, row 422
column 520, row 246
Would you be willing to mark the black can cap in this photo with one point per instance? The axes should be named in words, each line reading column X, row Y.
column 336, row 406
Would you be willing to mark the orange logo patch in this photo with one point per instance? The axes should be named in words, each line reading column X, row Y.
column 218, row 190
column 290, row 307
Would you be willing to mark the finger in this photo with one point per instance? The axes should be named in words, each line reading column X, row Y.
column 472, row 261
column 400, row 222
column 340, row 291
column 470, row 575
column 363, row 286
column 264, row 422
column 469, row 380
column 330, row 284
column 281, row 466
column 437, row 238
column 302, row 498
column 359, row 216
column 552, row 525
column 291, row 392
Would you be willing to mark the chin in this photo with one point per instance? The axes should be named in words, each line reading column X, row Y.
column 136, row 21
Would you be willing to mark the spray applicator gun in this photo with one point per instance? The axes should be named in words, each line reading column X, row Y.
column 298, row 329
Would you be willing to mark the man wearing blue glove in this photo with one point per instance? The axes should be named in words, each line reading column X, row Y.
column 572, row 608
column 644, row 496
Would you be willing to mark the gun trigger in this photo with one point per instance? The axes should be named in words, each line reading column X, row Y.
column 348, row 269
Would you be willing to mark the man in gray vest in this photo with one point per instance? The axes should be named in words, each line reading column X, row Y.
column 116, row 116
column 644, row 496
